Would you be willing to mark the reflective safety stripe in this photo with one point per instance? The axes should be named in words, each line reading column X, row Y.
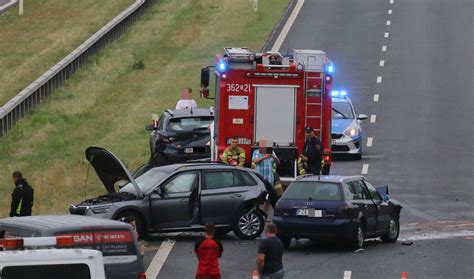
column 18, row 210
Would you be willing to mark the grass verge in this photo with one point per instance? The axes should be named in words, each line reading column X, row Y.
column 109, row 102
column 46, row 33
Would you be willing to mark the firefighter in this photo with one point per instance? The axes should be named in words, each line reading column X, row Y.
column 234, row 155
column 22, row 196
column 312, row 152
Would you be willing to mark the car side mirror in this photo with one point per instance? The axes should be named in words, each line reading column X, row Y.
column 150, row 128
column 362, row 117
column 386, row 198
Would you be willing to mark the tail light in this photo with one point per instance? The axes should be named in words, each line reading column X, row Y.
column 141, row 275
column 12, row 243
column 327, row 158
column 64, row 241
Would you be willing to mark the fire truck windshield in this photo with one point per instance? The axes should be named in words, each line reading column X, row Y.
column 189, row 124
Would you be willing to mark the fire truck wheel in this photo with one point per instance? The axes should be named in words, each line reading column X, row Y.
column 249, row 225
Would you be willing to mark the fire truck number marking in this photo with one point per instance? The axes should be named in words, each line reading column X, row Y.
column 235, row 87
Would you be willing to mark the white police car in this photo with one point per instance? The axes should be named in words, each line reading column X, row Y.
column 346, row 132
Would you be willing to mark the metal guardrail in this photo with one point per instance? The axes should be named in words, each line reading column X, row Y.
column 42, row 87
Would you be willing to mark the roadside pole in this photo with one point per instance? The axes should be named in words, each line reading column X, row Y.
column 20, row 7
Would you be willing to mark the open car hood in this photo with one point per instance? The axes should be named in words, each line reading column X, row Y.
column 110, row 169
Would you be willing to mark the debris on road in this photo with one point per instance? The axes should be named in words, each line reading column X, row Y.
column 359, row 250
column 407, row 242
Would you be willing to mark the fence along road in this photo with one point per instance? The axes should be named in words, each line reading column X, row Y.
column 42, row 87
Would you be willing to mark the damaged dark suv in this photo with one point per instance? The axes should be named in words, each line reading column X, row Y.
column 179, row 197
column 181, row 135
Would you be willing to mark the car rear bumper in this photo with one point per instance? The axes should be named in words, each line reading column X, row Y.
column 315, row 227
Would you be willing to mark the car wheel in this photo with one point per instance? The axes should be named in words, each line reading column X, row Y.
column 285, row 239
column 139, row 223
column 357, row 241
column 249, row 225
column 393, row 231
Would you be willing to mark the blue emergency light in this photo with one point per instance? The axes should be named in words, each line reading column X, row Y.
column 336, row 93
column 330, row 68
column 222, row 66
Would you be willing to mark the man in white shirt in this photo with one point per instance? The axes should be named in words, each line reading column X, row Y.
column 186, row 102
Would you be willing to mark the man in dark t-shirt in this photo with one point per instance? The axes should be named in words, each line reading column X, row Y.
column 208, row 251
column 270, row 253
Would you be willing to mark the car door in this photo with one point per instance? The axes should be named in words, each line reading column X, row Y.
column 174, row 206
column 361, row 198
column 222, row 194
column 383, row 208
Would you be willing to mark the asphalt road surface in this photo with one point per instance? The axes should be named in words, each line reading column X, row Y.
column 408, row 64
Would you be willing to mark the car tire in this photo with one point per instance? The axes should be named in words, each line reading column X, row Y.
column 393, row 231
column 249, row 225
column 358, row 237
column 139, row 223
column 285, row 239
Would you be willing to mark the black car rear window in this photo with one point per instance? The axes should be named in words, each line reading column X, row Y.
column 321, row 191
column 189, row 124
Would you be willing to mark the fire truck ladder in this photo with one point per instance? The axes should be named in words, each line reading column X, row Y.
column 313, row 101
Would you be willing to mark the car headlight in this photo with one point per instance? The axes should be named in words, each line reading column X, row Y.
column 100, row 210
column 351, row 132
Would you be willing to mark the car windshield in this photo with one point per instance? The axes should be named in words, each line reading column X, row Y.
column 146, row 181
column 189, row 124
column 342, row 110
column 313, row 190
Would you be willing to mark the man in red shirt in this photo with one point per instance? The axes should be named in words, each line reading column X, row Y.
column 208, row 251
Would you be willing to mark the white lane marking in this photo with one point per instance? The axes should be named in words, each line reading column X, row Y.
column 376, row 98
column 391, row 1
column 369, row 142
column 373, row 117
column 347, row 274
column 384, row 48
column 389, row 22
column 439, row 235
column 287, row 27
column 379, row 79
column 374, row 156
column 389, row 12
column 159, row 259
column 365, row 168
column 385, row 35
column 382, row 63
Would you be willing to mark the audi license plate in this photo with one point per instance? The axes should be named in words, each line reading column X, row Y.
column 188, row 150
column 310, row 212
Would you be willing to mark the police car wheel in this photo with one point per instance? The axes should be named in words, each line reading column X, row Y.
column 249, row 225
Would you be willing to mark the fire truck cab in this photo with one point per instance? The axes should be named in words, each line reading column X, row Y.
column 273, row 97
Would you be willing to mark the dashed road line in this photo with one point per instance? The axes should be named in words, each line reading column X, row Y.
column 373, row 117
column 376, row 98
column 159, row 259
column 365, row 168
column 384, row 48
column 385, row 35
column 382, row 63
column 370, row 141
column 347, row 274
column 287, row 26
column 389, row 12
column 379, row 79
column 391, row 1
column 388, row 23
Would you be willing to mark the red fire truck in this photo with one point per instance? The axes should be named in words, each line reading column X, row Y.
column 271, row 96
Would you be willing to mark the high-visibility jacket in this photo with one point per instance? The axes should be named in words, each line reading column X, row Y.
column 237, row 154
